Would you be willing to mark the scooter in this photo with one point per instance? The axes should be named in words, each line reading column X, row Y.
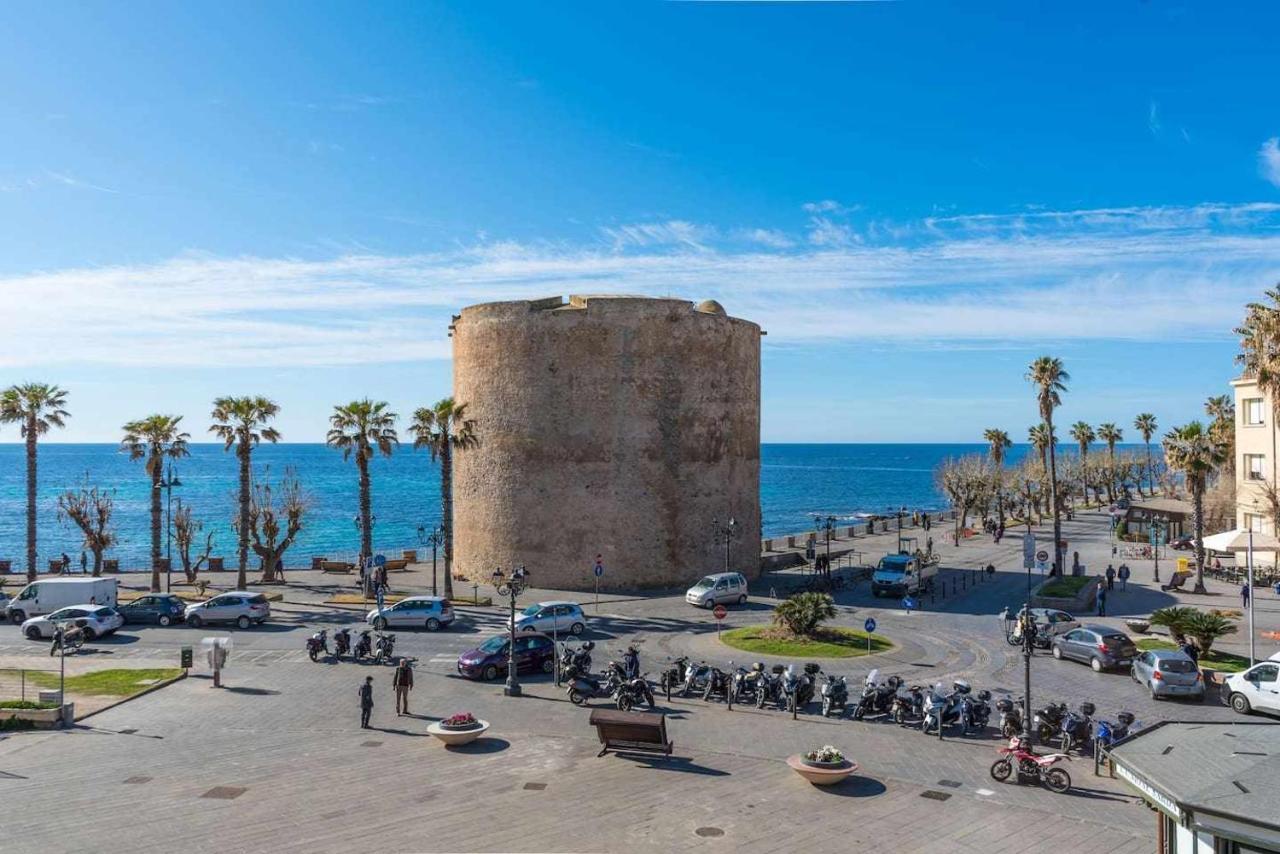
column 798, row 688
column 1018, row 757
column 747, row 683
column 582, row 687
column 579, row 658
column 1076, row 728
column 942, row 709
column 770, row 688
column 341, row 642
column 318, row 643
column 673, row 676
column 1106, row 733
column 695, row 678
column 384, row 649
column 1010, row 716
column 718, row 683
column 908, row 705
column 835, row 694
column 1048, row 720
column 975, row 711
column 876, row 698
column 364, row 646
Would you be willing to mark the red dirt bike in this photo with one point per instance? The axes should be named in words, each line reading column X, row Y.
column 1031, row 766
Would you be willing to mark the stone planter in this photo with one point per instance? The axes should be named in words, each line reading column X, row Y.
column 1139, row 626
column 821, row 774
column 457, row 737
column 65, row 715
column 1082, row 602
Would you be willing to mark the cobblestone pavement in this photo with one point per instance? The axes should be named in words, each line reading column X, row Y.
column 172, row 763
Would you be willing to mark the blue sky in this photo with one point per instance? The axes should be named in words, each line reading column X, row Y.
column 913, row 199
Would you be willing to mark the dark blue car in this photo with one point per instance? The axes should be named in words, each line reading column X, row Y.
column 160, row 608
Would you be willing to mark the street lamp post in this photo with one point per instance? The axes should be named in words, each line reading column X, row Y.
column 511, row 587
column 435, row 539
column 899, row 512
column 1157, row 535
column 826, row 525
column 167, row 483
column 1249, row 581
column 727, row 530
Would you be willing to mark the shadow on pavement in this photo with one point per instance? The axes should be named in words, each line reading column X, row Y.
column 255, row 692
column 683, row 764
column 480, row 746
column 855, row 787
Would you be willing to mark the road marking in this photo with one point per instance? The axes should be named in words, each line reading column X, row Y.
column 985, row 792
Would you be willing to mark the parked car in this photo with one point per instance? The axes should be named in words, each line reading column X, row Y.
column 96, row 620
column 1053, row 622
column 241, row 607
column 552, row 618
column 1101, row 647
column 722, row 588
column 413, row 612
column 534, row 652
column 1255, row 689
column 162, row 608
column 1168, row 673
column 1183, row 544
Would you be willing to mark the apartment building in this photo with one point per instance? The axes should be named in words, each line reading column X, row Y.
column 1257, row 444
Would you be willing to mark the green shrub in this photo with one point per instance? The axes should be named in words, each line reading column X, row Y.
column 26, row 704
column 802, row 614
column 1204, row 629
column 1174, row 619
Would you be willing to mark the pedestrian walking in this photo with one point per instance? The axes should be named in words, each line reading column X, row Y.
column 1123, row 575
column 402, row 682
column 364, row 576
column 366, row 702
column 380, row 592
column 1191, row 651
column 1102, row 600
column 1111, row 577
column 1244, row 595
column 84, row 562
column 380, row 575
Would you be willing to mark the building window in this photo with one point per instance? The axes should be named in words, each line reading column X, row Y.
column 1253, row 467
column 1253, row 411
column 1254, row 522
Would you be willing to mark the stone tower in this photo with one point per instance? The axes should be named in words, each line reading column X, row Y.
column 609, row 425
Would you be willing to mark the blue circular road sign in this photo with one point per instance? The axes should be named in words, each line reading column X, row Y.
column 908, row 603
column 869, row 625
column 379, row 560
column 599, row 570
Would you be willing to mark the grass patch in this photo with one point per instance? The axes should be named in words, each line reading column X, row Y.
column 1215, row 660
column 1065, row 588
column 119, row 682
column 828, row 643
column 26, row 704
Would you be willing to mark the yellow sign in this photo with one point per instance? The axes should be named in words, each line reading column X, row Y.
column 1184, row 565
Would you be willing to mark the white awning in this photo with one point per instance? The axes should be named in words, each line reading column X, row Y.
column 1238, row 541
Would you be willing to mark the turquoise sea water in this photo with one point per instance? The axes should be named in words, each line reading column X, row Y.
column 796, row 481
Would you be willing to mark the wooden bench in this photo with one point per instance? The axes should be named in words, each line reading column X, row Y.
column 644, row 732
column 1176, row 583
column 336, row 566
column 397, row 565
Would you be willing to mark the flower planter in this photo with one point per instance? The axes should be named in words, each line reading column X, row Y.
column 822, row 774
column 1139, row 626
column 453, row 737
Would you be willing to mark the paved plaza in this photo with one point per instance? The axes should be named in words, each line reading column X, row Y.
column 276, row 761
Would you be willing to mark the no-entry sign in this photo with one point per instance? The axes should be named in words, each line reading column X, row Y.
column 719, row 612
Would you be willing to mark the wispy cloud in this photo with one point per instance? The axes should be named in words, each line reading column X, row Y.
column 989, row 280
column 771, row 237
column 50, row 178
column 827, row 206
column 1269, row 160
column 1153, row 118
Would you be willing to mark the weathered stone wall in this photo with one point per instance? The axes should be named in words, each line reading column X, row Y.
column 619, row 426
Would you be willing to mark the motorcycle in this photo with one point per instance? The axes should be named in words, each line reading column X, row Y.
column 1048, row 720
column 632, row 691
column 975, row 711
column 770, row 688
column 695, row 678
column 364, row 647
column 718, row 682
column 318, row 643
column 384, row 649
column 835, row 694
column 876, row 698
column 908, row 705
column 1076, row 728
column 631, row 663
column 1010, row 716
column 673, row 676
column 1018, row 757
column 581, row 686
column 797, row 688
column 579, row 658
column 942, row 709
column 1106, row 733
column 341, row 642
column 747, row 683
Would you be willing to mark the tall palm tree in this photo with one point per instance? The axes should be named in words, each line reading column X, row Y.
column 998, row 443
column 1222, row 424
column 242, row 421
column 360, row 428
column 1260, row 346
column 1041, row 438
column 1110, row 434
column 1146, row 424
column 1084, row 436
column 1193, row 450
column 155, row 438
column 1050, row 379
column 37, row 407
column 443, row 429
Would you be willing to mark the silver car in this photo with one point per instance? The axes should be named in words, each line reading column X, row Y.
column 1168, row 673
column 241, row 607
column 413, row 612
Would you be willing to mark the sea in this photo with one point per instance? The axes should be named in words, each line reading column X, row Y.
column 797, row 481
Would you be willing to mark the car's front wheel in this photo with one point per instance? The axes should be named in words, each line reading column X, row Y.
column 742, row 600
column 1240, row 704
column 577, row 628
column 17, row 617
column 164, row 620
column 433, row 625
column 90, row 634
column 548, row 665
column 33, row 633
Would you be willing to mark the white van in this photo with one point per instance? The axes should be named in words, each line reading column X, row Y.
column 50, row 594
column 723, row 588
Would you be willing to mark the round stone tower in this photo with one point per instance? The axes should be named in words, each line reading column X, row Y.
column 619, row 426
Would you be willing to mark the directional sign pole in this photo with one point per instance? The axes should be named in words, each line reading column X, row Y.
column 599, row 571
column 870, row 626
column 719, row 613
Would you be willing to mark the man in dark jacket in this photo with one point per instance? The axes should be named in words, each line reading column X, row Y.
column 402, row 682
column 366, row 702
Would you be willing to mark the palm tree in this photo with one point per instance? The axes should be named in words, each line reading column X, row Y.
column 241, row 421
column 1050, row 379
column 1110, row 434
column 1041, row 438
column 37, row 407
column 997, row 443
column 1084, row 436
column 1260, row 346
column 442, row 429
column 1222, row 424
column 1146, row 424
column 1192, row 450
column 155, row 438
column 359, row 428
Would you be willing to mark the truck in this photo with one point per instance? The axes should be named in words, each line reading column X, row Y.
column 904, row 574
column 49, row 594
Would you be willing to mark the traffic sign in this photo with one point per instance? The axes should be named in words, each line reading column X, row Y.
column 379, row 560
column 869, row 625
column 1042, row 555
column 908, row 603
column 599, row 570
column 720, row 612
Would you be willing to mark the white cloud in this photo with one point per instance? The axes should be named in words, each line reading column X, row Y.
column 1153, row 118
column 1158, row 274
column 770, row 237
column 827, row 206
column 1269, row 160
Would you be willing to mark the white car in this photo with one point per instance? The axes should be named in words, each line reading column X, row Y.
column 1256, row 689
column 413, row 612
column 552, row 618
column 241, row 607
column 96, row 620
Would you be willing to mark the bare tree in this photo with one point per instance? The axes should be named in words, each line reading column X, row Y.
column 90, row 508
column 187, row 529
column 275, row 519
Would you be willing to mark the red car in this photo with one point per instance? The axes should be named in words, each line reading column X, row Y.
column 534, row 652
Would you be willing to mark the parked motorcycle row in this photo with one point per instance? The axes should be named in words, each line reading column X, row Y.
column 381, row 651
column 623, row 682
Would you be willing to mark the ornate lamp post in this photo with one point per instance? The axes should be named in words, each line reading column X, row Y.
column 728, row 531
column 167, row 483
column 1157, row 537
column 435, row 539
column 826, row 525
column 511, row 587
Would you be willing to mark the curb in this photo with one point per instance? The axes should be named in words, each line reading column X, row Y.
column 156, row 687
